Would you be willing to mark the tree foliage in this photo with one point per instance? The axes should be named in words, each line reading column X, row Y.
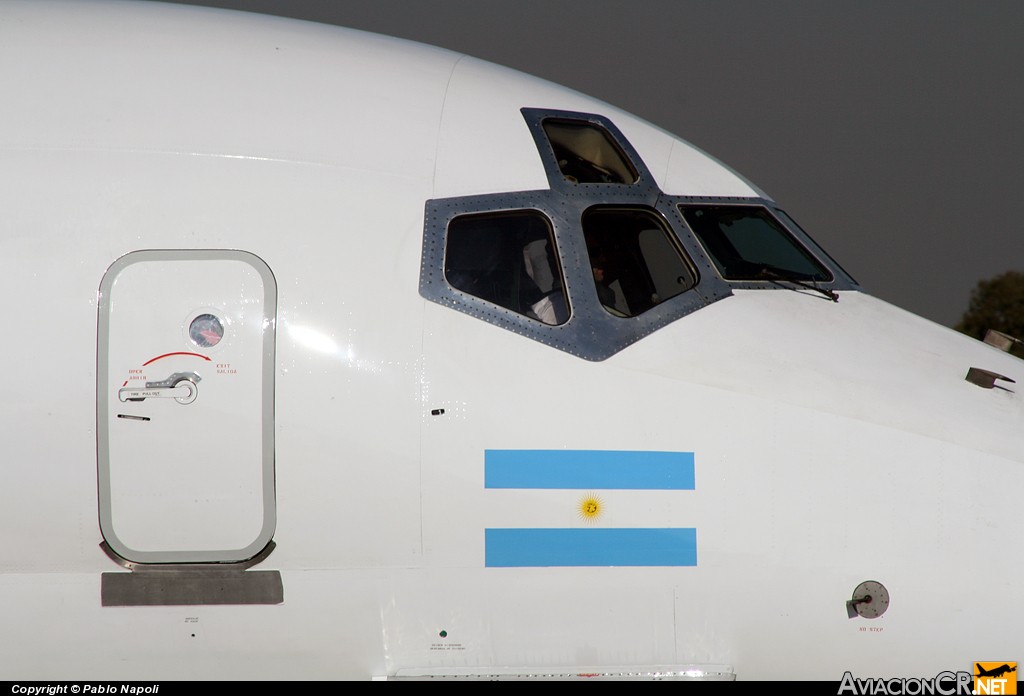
column 997, row 303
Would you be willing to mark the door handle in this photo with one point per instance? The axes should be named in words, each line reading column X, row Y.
column 181, row 386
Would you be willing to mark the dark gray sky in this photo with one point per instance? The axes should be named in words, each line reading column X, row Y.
column 891, row 130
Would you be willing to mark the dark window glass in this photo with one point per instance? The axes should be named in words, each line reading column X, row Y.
column 587, row 154
column 508, row 259
column 634, row 260
column 792, row 224
column 748, row 243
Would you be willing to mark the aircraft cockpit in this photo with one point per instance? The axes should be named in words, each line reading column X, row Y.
column 604, row 257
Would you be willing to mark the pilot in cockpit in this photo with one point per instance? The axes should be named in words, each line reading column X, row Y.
column 604, row 293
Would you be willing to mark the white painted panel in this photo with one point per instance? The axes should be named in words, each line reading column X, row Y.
column 184, row 469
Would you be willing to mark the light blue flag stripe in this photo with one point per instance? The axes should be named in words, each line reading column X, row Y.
column 522, row 548
column 592, row 469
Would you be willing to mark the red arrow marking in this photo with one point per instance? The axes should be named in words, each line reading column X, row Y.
column 167, row 355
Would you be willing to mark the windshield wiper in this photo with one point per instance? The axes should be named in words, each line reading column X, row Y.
column 771, row 273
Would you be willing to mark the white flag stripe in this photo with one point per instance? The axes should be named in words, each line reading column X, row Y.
column 562, row 508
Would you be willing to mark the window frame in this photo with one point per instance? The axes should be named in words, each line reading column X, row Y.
column 591, row 332
column 841, row 280
column 796, row 246
column 506, row 215
column 670, row 236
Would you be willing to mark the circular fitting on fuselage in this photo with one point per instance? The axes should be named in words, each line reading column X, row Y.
column 870, row 600
column 193, row 391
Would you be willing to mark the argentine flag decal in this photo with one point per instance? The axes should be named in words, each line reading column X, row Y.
column 593, row 487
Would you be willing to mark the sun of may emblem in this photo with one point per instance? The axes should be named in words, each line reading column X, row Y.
column 590, row 508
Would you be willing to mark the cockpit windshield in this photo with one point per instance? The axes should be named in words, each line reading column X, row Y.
column 635, row 264
column 748, row 243
column 603, row 256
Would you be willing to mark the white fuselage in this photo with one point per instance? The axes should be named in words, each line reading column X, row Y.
column 833, row 443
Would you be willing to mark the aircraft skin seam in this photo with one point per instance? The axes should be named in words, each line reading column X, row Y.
column 440, row 121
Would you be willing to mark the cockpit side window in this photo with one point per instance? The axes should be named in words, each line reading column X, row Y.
column 634, row 261
column 587, row 154
column 748, row 243
column 508, row 259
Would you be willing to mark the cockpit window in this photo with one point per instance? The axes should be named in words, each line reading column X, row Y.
column 634, row 261
column 587, row 154
column 508, row 259
column 748, row 243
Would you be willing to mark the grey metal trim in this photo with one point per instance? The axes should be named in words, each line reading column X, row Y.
column 591, row 332
column 190, row 583
column 200, row 587
column 160, row 567
column 841, row 280
column 645, row 185
column 681, row 672
column 102, row 402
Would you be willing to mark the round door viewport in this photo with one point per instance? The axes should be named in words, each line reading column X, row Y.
column 206, row 330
